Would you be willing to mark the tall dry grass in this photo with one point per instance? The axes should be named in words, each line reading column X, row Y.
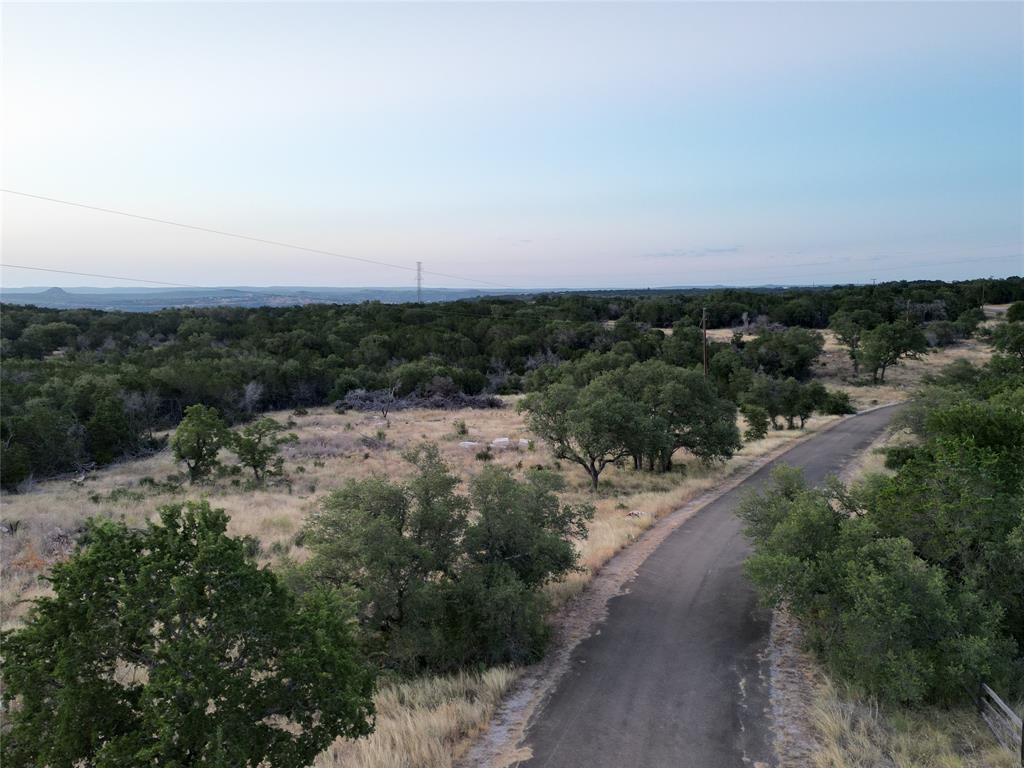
column 855, row 732
column 423, row 723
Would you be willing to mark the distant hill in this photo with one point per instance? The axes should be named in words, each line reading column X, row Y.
column 150, row 299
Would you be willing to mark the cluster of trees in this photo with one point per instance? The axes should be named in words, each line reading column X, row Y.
column 875, row 346
column 608, row 408
column 86, row 387
column 910, row 585
column 169, row 645
column 442, row 580
column 644, row 412
column 768, row 399
column 202, row 434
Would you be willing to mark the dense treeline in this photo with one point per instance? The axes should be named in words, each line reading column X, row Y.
column 86, row 387
column 910, row 585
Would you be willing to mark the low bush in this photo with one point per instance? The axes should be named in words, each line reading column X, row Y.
column 442, row 580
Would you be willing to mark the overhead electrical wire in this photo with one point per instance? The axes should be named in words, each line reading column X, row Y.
column 281, row 244
column 105, row 277
column 251, row 238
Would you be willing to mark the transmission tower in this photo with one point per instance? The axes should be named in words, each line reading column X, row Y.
column 419, row 282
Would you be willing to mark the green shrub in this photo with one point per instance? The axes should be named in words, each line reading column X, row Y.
column 197, row 441
column 837, row 403
column 436, row 589
column 169, row 646
column 909, row 586
column 898, row 455
column 757, row 422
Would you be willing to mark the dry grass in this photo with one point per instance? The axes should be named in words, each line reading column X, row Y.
column 834, row 369
column 872, row 460
column 856, row 733
column 333, row 448
column 423, row 723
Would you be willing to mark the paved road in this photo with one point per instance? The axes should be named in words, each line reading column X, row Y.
column 674, row 677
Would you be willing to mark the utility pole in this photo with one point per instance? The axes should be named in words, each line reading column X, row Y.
column 419, row 282
column 704, row 329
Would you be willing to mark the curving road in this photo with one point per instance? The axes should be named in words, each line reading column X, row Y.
column 675, row 675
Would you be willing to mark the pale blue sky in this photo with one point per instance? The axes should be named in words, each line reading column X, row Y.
column 541, row 145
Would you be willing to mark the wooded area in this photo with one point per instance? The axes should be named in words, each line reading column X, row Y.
column 84, row 387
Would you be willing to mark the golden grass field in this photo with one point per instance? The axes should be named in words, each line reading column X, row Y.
column 425, row 722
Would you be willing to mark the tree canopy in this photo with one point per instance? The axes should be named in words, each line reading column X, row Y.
column 146, row 368
column 169, row 646
column 909, row 585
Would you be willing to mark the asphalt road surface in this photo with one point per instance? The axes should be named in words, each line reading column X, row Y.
column 675, row 676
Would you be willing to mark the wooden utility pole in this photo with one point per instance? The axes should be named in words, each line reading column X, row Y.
column 704, row 329
column 419, row 282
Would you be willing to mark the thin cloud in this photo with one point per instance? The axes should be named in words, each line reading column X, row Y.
column 693, row 253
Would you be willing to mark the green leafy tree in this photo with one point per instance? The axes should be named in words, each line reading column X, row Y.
column 390, row 545
column 41, row 437
column 683, row 411
column 791, row 352
column 887, row 344
column 849, row 326
column 522, row 525
column 757, row 422
column 594, row 426
column 766, row 393
column 198, row 439
column 520, row 539
column 1009, row 339
column 1015, row 312
column 169, row 646
column 434, row 589
column 877, row 611
column 258, row 447
column 42, row 339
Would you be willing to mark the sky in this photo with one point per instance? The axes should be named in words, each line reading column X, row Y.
column 547, row 145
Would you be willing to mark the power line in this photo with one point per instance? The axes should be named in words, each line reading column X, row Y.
column 251, row 238
column 418, row 268
column 105, row 277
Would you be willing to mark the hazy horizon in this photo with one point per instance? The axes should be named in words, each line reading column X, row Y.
column 534, row 146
